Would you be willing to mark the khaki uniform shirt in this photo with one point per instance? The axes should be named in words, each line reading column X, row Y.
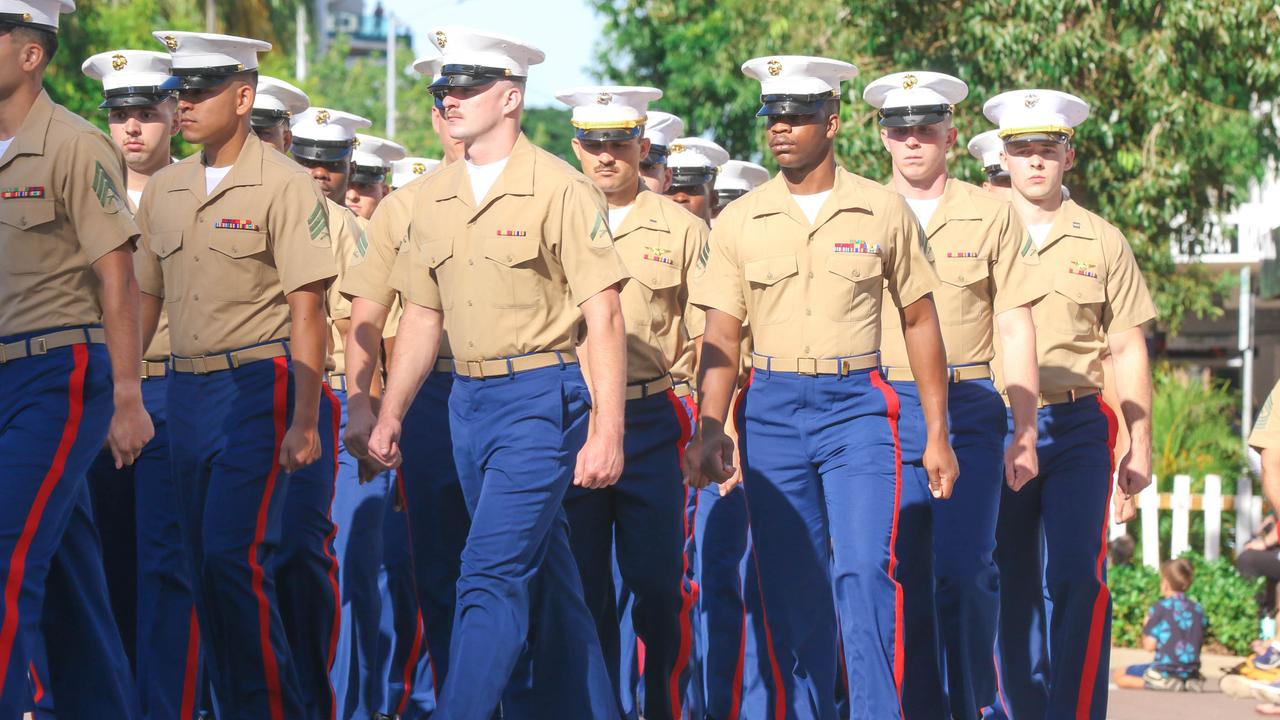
column 224, row 263
column 1266, row 430
column 158, row 350
column 510, row 271
column 347, row 234
column 814, row 291
column 1091, row 287
column 370, row 268
column 659, row 242
column 62, row 208
column 973, row 242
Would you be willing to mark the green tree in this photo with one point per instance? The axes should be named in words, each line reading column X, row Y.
column 1174, row 139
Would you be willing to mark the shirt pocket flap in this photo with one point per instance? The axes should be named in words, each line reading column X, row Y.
column 166, row 243
column 1080, row 289
column 26, row 213
column 962, row 271
column 435, row 252
column 238, row 243
column 512, row 251
column 856, row 267
column 656, row 276
column 771, row 270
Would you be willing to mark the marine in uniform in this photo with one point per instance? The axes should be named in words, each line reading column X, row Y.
column 136, row 508
column 434, row 517
column 693, row 163
column 236, row 245
column 804, row 257
column 640, row 520
column 69, row 358
column 370, row 173
column 974, row 242
column 314, row 560
column 986, row 148
column 1094, row 297
column 661, row 130
column 511, row 252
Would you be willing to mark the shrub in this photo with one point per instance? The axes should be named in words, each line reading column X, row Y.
column 1229, row 602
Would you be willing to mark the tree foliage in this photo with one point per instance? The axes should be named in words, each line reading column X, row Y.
column 1180, row 92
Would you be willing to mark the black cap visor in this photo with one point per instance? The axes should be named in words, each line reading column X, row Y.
column 658, row 155
column 913, row 116
column 468, row 76
column 1029, row 137
column 203, row 78
column 684, row 176
column 793, row 104
column 321, row 151
column 134, row 97
column 368, row 175
column 261, row 119
column 999, row 177
column 724, row 195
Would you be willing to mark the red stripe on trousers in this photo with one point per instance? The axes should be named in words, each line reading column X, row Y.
column 687, row 595
column 411, row 663
column 191, row 674
column 1093, row 652
column 779, row 692
column 38, row 695
column 420, row 632
column 279, row 416
column 899, row 627
column 336, row 406
column 739, row 669
column 18, row 561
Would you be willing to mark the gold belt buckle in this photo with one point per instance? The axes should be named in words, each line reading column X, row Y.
column 4, row 354
column 807, row 366
column 475, row 368
column 39, row 346
column 198, row 366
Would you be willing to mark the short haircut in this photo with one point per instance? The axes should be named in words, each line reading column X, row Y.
column 249, row 77
column 48, row 41
column 1179, row 573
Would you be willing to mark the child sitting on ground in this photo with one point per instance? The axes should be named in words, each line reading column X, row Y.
column 1174, row 631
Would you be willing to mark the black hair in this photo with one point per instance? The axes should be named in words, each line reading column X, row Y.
column 46, row 39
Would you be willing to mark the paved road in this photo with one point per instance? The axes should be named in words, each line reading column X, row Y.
column 1147, row 705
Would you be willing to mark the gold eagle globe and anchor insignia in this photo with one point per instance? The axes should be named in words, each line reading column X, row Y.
column 419, row 168
column 118, row 62
column 676, row 148
column 170, row 42
column 1031, row 100
column 322, row 117
column 775, row 67
column 909, row 81
column 604, row 98
column 441, row 39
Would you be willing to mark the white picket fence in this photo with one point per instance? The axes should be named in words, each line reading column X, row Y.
column 1245, row 504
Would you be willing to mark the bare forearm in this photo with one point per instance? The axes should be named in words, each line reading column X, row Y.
column 928, row 360
column 121, row 320
column 363, row 340
column 308, row 339
column 151, row 307
column 718, row 365
column 417, row 342
column 1021, row 369
column 1133, row 386
column 607, row 363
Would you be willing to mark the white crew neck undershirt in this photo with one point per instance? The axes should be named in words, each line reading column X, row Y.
column 924, row 209
column 4, row 146
column 213, row 176
column 1040, row 233
column 811, row 204
column 135, row 196
column 483, row 177
column 617, row 216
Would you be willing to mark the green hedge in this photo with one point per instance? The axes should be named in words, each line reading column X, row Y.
column 1228, row 600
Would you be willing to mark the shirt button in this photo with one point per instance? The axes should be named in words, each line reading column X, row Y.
column 197, row 258
column 807, row 311
column 471, row 262
column 196, row 298
column 806, row 348
column 961, row 278
column 234, row 249
column 810, row 274
column 857, row 273
column 468, row 303
column 768, row 276
column 508, row 258
column 470, row 344
column 1079, row 294
column 195, row 337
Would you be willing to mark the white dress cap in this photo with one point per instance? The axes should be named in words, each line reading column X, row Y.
column 403, row 171
column 194, row 51
column 986, row 148
column 429, row 65
column 39, row 14
column 130, row 77
column 1032, row 114
column 917, row 97
column 609, row 112
column 375, row 152
column 325, row 135
column 738, row 177
column 797, row 84
column 277, row 100
column 469, row 46
column 696, row 152
column 663, row 128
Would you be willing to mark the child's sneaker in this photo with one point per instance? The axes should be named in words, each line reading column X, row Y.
column 1268, row 659
column 1156, row 680
column 1194, row 684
